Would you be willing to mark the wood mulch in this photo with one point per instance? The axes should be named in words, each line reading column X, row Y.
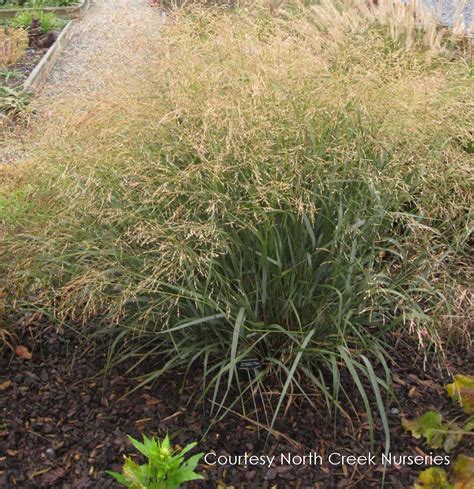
column 17, row 73
column 63, row 423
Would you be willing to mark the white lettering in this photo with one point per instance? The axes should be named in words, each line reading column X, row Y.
column 334, row 458
column 208, row 462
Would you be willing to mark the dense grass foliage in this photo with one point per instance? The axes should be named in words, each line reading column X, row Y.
column 290, row 185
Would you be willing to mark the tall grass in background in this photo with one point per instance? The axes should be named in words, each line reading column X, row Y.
column 291, row 185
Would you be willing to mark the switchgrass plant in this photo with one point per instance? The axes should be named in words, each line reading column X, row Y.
column 290, row 185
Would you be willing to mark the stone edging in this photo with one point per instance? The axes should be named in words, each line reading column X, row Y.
column 38, row 76
column 72, row 12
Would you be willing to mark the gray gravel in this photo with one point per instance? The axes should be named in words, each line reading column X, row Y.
column 100, row 46
column 113, row 36
column 450, row 10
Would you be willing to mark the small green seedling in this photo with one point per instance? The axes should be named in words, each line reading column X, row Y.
column 165, row 468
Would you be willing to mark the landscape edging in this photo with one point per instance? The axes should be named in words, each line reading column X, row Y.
column 73, row 12
column 38, row 76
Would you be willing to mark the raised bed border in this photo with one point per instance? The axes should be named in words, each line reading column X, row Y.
column 72, row 12
column 37, row 78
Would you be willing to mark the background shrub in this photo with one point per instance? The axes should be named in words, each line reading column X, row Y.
column 47, row 21
column 10, row 4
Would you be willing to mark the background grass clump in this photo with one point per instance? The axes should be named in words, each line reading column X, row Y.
column 288, row 184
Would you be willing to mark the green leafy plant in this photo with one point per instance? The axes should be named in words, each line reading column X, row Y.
column 429, row 426
column 51, row 3
column 165, row 468
column 461, row 477
column 433, row 478
column 10, row 74
column 462, row 391
column 447, row 436
column 437, row 434
column 13, row 100
column 10, row 4
column 47, row 21
column 23, row 19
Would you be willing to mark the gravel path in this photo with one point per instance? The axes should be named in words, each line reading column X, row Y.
column 113, row 36
column 449, row 10
column 95, row 52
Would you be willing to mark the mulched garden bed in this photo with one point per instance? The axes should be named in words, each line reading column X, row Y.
column 63, row 423
column 14, row 75
column 23, row 69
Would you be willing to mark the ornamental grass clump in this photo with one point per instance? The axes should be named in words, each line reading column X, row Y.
column 270, row 185
column 13, row 45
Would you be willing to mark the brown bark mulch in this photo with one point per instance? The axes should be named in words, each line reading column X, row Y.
column 17, row 73
column 62, row 424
